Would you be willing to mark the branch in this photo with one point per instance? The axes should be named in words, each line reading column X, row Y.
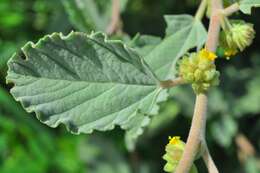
column 196, row 135
column 115, row 20
column 197, row 130
column 214, row 26
column 172, row 83
column 231, row 9
column 245, row 148
column 209, row 161
column 201, row 10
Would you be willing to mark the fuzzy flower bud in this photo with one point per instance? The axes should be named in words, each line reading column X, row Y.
column 174, row 150
column 237, row 37
column 199, row 70
column 241, row 35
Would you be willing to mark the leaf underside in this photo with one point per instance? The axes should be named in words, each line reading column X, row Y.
column 88, row 15
column 83, row 81
column 144, row 44
column 247, row 5
column 183, row 33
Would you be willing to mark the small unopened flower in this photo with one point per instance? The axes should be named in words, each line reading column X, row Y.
column 230, row 52
column 204, row 53
column 241, row 35
column 174, row 150
column 236, row 37
column 199, row 70
column 176, row 140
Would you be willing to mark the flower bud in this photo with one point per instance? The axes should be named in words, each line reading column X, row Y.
column 174, row 150
column 224, row 50
column 237, row 37
column 199, row 70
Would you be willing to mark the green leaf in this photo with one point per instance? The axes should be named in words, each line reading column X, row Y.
column 136, row 126
column 177, row 22
column 218, row 104
column 6, row 50
column 249, row 103
column 168, row 112
column 83, row 81
column 9, row 105
column 252, row 165
column 247, row 5
column 88, row 15
column 144, row 44
column 163, row 58
column 109, row 159
column 224, row 130
column 136, row 129
column 84, row 15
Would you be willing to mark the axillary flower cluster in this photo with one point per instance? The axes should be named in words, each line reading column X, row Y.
column 235, row 36
column 174, row 150
column 199, row 70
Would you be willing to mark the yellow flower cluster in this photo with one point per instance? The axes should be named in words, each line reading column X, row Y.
column 204, row 53
column 174, row 140
column 199, row 70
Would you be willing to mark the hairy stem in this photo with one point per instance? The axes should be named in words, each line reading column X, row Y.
column 245, row 147
column 231, row 9
column 209, row 161
column 196, row 134
column 172, row 83
column 214, row 26
column 115, row 19
column 201, row 10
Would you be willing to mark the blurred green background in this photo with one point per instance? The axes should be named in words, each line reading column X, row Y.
column 233, row 128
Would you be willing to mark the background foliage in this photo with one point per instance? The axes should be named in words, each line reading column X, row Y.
column 233, row 114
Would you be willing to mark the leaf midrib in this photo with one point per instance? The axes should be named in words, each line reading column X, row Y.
column 90, row 82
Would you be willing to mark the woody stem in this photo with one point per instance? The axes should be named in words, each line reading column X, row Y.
column 196, row 134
